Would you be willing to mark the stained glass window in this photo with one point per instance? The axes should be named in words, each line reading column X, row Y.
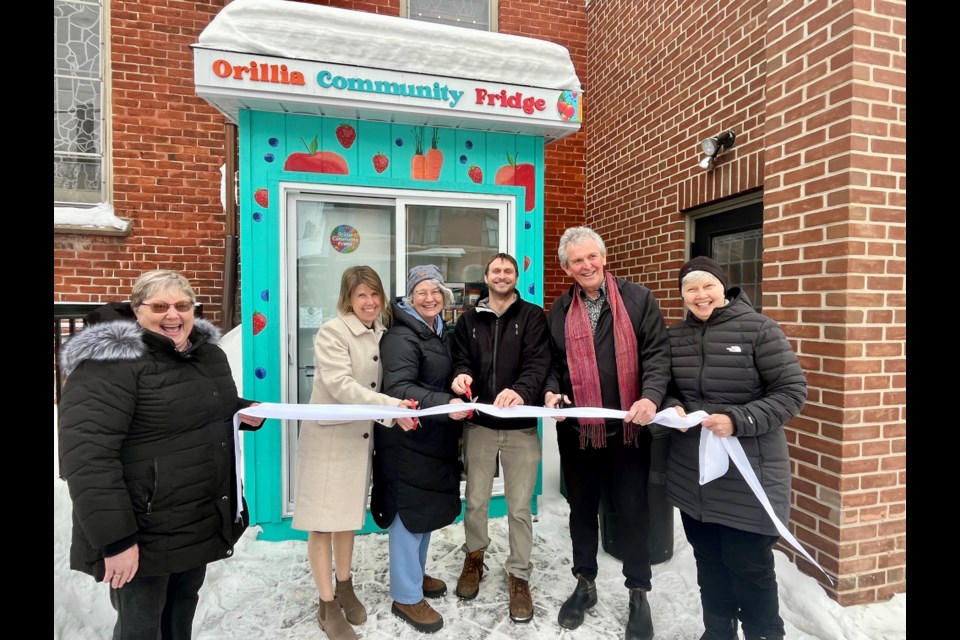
column 77, row 102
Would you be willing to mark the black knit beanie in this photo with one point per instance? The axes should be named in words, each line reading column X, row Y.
column 703, row 263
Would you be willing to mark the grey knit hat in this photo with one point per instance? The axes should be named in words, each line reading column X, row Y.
column 420, row 273
column 703, row 263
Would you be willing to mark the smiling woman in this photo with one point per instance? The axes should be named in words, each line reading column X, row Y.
column 163, row 304
column 334, row 456
column 146, row 445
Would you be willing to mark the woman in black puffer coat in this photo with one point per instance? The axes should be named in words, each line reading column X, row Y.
column 147, row 449
column 416, row 474
column 737, row 365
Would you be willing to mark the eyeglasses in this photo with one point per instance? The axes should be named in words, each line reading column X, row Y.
column 422, row 295
column 161, row 307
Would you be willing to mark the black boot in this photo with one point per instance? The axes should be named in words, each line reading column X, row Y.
column 719, row 627
column 639, row 624
column 583, row 597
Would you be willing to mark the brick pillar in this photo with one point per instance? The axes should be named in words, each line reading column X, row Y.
column 835, row 263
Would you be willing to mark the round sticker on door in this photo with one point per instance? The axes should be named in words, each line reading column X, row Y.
column 345, row 238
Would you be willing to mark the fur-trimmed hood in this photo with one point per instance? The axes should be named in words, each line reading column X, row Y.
column 120, row 340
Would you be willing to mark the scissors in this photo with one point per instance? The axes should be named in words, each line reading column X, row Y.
column 416, row 422
column 469, row 395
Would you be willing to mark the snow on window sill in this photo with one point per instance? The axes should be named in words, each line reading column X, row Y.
column 88, row 230
column 98, row 220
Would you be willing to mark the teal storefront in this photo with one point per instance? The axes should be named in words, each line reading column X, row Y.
column 345, row 164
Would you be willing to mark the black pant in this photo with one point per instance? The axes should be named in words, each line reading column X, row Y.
column 157, row 607
column 625, row 471
column 736, row 574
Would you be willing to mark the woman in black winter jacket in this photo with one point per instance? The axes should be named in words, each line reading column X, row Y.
column 147, row 449
column 736, row 365
column 416, row 473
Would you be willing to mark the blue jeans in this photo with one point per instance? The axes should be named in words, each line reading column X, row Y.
column 155, row 607
column 408, row 562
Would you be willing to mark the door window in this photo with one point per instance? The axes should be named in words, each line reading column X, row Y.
column 734, row 238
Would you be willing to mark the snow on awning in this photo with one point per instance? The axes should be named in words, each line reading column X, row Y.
column 247, row 55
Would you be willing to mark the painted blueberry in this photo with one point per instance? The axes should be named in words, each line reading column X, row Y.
column 527, row 224
column 531, row 288
column 268, row 157
column 260, row 372
column 257, row 217
column 468, row 144
column 463, row 159
column 399, row 142
column 265, row 295
column 273, row 142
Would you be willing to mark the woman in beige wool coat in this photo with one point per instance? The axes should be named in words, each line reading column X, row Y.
column 333, row 456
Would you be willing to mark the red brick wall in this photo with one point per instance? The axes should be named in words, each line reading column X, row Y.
column 167, row 148
column 835, row 243
column 663, row 77
column 815, row 93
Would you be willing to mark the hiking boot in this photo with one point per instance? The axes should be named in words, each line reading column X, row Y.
column 353, row 609
column 639, row 622
column 521, row 604
column 468, row 586
column 584, row 597
column 331, row 621
column 433, row 587
column 420, row 616
column 718, row 627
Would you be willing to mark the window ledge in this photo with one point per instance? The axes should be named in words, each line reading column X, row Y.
column 85, row 230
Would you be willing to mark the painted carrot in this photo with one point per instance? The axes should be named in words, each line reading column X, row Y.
column 418, row 162
column 434, row 160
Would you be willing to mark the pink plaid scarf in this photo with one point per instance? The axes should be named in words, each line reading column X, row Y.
column 582, row 362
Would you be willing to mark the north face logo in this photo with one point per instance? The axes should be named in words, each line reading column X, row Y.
column 733, row 349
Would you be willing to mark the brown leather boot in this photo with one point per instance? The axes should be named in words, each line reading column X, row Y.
column 521, row 603
column 353, row 609
column 433, row 587
column 468, row 586
column 420, row 616
column 330, row 617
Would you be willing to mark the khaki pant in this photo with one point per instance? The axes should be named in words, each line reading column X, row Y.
column 520, row 456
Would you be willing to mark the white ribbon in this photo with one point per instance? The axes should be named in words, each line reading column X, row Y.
column 715, row 452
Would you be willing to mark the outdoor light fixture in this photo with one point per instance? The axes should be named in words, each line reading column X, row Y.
column 713, row 147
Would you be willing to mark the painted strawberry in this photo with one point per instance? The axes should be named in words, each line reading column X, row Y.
column 526, row 262
column 346, row 134
column 262, row 197
column 475, row 173
column 259, row 322
column 380, row 162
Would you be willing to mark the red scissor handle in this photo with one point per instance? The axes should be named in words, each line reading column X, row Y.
column 416, row 422
column 469, row 395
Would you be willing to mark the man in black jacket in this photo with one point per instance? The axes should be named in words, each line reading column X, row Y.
column 501, row 355
column 609, row 349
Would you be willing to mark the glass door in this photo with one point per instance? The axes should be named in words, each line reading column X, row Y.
column 325, row 235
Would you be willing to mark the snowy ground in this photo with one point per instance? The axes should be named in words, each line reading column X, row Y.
column 266, row 592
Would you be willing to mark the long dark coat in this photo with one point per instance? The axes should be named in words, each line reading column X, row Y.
column 416, row 473
column 146, row 447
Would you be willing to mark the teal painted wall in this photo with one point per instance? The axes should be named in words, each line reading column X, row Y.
column 277, row 147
